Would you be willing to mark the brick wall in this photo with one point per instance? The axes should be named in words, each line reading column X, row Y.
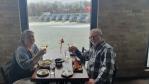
column 9, row 29
column 125, row 25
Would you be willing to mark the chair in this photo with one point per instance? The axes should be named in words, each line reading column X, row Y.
column 114, row 74
column 4, row 75
column 24, row 81
column 83, row 50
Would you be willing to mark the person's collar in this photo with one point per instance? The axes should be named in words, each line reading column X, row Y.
column 99, row 44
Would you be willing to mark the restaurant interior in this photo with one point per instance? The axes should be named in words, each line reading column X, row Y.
column 124, row 24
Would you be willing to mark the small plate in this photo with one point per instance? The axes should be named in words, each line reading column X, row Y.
column 67, row 73
column 43, row 72
column 44, row 63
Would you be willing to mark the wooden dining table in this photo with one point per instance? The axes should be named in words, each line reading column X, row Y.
column 81, row 77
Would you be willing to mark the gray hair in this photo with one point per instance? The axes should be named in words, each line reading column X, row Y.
column 97, row 30
column 24, row 34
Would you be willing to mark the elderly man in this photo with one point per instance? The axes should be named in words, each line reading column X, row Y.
column 100, row 57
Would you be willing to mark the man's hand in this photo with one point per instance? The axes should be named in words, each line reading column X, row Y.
column 91, row 81
column 73, row 49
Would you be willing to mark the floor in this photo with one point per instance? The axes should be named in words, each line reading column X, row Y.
column 133, row 81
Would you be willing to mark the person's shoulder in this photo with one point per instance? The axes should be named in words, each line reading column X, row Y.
column 21, row 49
column 34, row 46
column 108, row 46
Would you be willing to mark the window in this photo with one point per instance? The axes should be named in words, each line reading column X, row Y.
column 51, row 23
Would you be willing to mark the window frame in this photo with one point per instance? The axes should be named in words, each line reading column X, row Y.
column 23, row 14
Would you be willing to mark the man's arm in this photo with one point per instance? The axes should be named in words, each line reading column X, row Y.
column 83, row 56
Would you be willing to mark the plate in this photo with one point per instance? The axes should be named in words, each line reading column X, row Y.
column 67, row 73
column 77, row 67
column 42, row 72
column 44, row 63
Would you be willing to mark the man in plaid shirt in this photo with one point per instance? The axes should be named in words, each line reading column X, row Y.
column 100, row 57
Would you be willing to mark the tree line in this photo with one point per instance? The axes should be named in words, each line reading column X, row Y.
column 36, row 9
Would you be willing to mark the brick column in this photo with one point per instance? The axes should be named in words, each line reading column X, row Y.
column 125, row 25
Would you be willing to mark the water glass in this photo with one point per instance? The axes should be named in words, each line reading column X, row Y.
column 52, row 69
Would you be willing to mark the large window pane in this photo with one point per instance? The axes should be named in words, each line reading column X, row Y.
column 52, row 20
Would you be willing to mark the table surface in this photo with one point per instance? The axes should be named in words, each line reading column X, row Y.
column 66, row 65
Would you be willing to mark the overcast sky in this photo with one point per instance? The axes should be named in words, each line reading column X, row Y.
column 65, row 1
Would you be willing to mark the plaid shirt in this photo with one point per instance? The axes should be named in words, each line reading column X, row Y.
column 101, row 61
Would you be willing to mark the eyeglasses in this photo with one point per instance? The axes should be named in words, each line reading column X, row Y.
column 93, row 37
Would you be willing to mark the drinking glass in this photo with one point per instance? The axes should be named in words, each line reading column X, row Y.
column 44, row 46
column 52, row 68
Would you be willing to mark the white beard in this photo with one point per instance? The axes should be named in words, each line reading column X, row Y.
column 93, row 43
